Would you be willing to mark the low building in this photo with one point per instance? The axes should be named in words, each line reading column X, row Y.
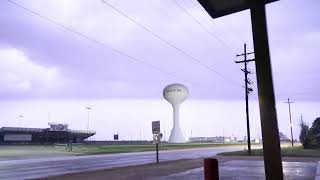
column 56, row 133
column 217, row 139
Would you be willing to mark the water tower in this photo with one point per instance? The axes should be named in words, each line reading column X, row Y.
column 176, row 94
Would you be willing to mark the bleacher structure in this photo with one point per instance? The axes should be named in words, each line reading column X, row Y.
column 56, row 133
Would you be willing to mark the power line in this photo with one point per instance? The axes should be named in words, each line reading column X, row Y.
column 202, row 26
column 169, row 43
column 166, row 14
column 196, row 7
column 94, row 40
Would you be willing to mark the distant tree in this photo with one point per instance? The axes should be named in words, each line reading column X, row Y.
column 282, row 136
column 314, row 133
column 315, row 128
column 303, row 134
column 310, row 137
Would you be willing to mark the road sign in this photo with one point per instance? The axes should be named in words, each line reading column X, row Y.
column 116, row 137
column 218, row 8
column 156, row 138
column 155, row 127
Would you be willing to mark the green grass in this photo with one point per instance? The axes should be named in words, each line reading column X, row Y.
column 285, row 151
column 24, row 151
column 106, row 149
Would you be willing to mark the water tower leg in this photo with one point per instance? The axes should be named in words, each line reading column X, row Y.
column 176, row 135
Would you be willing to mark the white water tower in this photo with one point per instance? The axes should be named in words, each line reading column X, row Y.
column 176, row 94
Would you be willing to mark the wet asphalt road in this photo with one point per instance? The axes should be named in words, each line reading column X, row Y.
column 44, row 167
column 249, row 170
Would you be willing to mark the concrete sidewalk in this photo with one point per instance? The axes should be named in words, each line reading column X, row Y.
column 250, row 170
column 318, row 172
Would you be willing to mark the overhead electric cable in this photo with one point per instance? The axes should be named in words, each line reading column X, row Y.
column 226, row 43
column 95, row 41
column 171, row 44
column 196, row 7
column 203, row 27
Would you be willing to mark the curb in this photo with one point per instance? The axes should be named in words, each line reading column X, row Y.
column 318, row 172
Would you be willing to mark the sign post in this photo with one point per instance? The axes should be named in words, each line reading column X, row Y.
column 268, row 113
column 157, row 150
column 156, row 137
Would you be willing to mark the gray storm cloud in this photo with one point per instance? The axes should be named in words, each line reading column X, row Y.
column 92, row 67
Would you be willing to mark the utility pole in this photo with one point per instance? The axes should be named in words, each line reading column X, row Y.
column 247, row 89
column 289, row 102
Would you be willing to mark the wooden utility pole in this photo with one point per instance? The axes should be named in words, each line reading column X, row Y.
column 247, row 89
column 289, row 102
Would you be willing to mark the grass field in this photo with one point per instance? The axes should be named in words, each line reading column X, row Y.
column 10, row 152
column 32, row 151
column 106, row 149
column 297, row 151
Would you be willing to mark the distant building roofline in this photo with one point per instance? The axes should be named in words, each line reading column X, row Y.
column 55, row 123
column 39, row 130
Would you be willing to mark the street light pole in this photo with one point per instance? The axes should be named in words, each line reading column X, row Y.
column 20, row 116
column 88, row 118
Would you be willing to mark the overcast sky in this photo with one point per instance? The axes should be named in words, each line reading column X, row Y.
column 76, row 50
